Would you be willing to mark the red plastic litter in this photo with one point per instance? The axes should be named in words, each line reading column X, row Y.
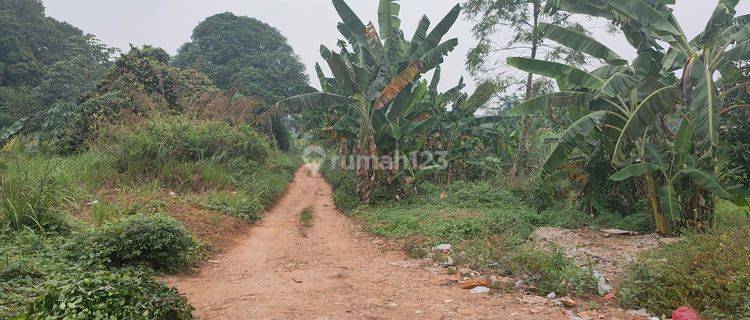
column 685, row 313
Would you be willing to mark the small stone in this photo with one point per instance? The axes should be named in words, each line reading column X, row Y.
column 172, row 194
column 552, row 296
column 92, row 202
column 448, row 262
column 464, row 272
column 639, row 313
column 443, row 248
column 480, row 289
column 601, row 283
column 568, row 302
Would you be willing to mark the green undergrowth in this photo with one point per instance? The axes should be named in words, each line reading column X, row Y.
column 55, row 266
column 709, row 272
column 489, row 226
column 238, row 169
column 95, row 273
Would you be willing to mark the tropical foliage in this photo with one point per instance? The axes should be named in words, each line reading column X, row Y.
column 378, row 106
column 651, row 124
column 375, row 87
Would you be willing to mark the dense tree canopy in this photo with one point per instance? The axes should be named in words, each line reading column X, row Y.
column 244, row 54
column 145, row 73
column 42, row 60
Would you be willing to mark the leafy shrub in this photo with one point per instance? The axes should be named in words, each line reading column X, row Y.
column 109, row 295
column 158, row 241
column 708, row 272
column 550, row 271
column 68, row 127
column 172, row 150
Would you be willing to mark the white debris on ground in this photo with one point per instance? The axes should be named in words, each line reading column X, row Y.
column 609, row 252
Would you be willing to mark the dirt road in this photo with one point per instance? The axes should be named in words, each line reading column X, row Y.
column 333, row 273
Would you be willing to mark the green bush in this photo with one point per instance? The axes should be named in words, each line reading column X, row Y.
column 175, row 151
column 109, row 295
column 158, row 241
column 708, row 272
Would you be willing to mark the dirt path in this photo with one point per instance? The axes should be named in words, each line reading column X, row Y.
column 334, row 273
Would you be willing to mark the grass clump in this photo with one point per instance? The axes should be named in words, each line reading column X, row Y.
column 158, row 241
column 550, row 271
column 306, row 217
column 708, row 272
column 36, row 191
column 246, row 207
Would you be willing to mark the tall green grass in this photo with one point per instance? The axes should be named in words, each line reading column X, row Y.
column 35, row 190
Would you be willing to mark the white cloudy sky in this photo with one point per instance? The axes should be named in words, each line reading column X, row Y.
column 306, row 23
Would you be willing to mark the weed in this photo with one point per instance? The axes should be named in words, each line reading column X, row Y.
column 708, row 272
column 414, row 249
column 306, row 217
column 247, row 207
column 109, row 295
column 104, row 212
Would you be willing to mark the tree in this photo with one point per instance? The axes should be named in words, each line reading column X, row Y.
column 246, row 56
column 146, row 77
column 374, row 80
column 523, row 19
column 43, row 61
column 631, row 110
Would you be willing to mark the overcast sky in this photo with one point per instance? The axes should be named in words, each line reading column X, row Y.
column 306, row 23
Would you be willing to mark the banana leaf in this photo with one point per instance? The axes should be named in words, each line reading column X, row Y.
column 662, row 101
column 580, row 42
column 313, row 100
column 576, row 134
column 634, row 171
column 571, row 77
column 548, row 101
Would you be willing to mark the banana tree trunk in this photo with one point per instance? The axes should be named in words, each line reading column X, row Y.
column 660, row 222
column 698, row 208
column 366, row 169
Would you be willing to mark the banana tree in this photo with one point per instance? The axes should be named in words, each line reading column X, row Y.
column 370, row 71
column 629, row 108
column 457, row 123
